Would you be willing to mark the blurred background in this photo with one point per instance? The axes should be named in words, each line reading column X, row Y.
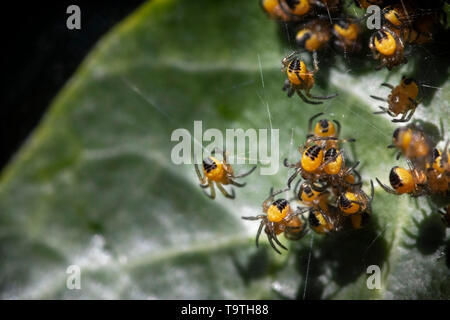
column 40, row 54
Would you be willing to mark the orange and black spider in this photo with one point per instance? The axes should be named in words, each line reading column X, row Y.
column 313, row 35
column 219, row 173
column 279, row 217
column 348, row 34
column 299, row 79
column 403, row 100
column 388, row 47
column 312, row 162
column 356, row 201
column 411, row 181
column 413, row 143
column 325, row 220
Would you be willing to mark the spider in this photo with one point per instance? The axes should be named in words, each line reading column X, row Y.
column 347, row 35
column 297, row 10
column 411, row 181
column 273, row 9
column 325, row 128
column 336, row 174
column 412, row 142
column 279, row 217
column 300, row 80
column 311, row 195
column 398, row 16
column 314, row 35
column 311, row 163
column 402, row 100
column 437, row 171
column 325, row 219
column 221, row 173
column 388, row 47
column 356, row 201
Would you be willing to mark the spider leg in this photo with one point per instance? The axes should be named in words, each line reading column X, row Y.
column 386, row 188
column 306, row 100
column 338, row 124
column 286, row 85
column 359, row 177
column 203, row 180
column 379, row 98
column 212, row 194
column 272, row 245
column 237, row 184
column 292, row 177
column 225, row 192
column 290, row 92
column 410, row 115
column 253, row 218
column 258, row 233
column 245, row 173
column 331, row 96
column 383, row 110
column 398, row 156
column 391, row 113
column 390, row 86
column 402, row 119
column 300, row 211
column 274, row 236
column 295, row 188
column 310, row 121
column 372, row 191
column 289, row 165
column 204, row 186
column 353, row 167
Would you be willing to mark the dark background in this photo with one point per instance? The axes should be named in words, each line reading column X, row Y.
column 40, row 54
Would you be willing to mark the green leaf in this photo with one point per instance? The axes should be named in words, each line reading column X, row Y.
column 95, row 185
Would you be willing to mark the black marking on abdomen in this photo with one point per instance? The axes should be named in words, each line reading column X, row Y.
column 280, row 204
column 313, row 220
column 292, row 3
column 209, row 164
column 301, row 41
column 394, row 178
column 294, row 65
column 344, row 202
column 330, row 154
column 380, row 35
column 313, row 152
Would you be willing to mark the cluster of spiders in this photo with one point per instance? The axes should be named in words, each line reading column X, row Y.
column 428, row 169
column 329, row 192
column 329, row 196
column 316, row 23
column 403, row 23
